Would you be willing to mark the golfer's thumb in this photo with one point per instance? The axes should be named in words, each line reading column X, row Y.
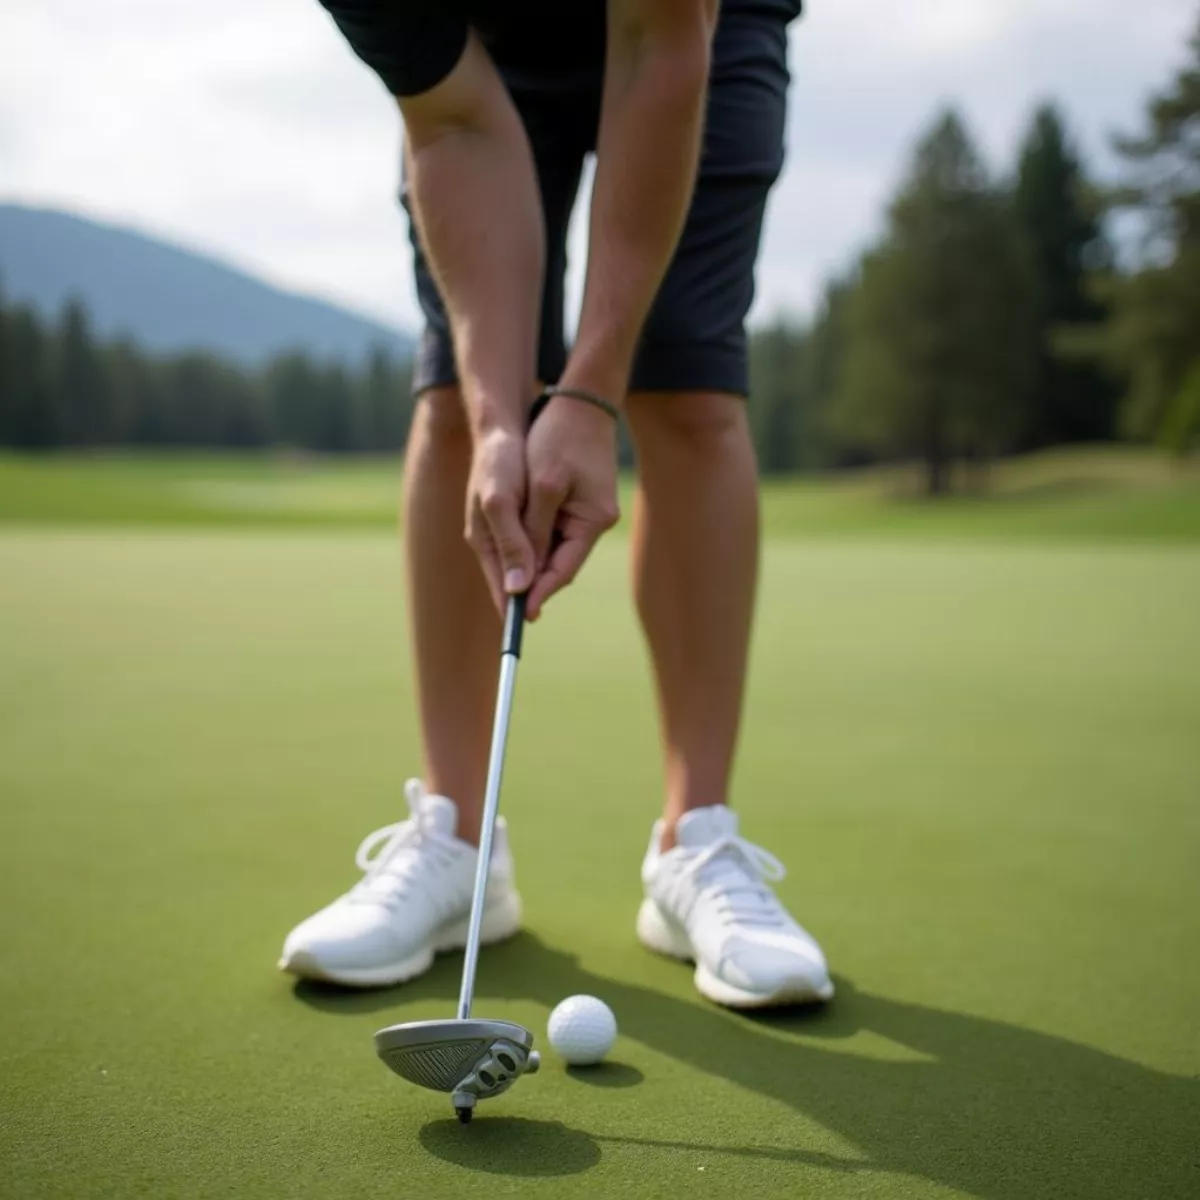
column 515, row 552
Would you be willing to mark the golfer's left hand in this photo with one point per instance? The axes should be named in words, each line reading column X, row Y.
column 571, row 456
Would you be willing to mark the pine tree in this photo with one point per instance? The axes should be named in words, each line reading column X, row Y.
column 1156, row 325
column 941, row 345
column 29, row 410
column 80, row 383
column 293, row 401
column 1053, row 201
column 826, row 368
column 131, row 380
column 776, row 395
column 386, row 402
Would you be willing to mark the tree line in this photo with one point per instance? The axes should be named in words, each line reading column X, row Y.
column 995, row 314
column 62, row 387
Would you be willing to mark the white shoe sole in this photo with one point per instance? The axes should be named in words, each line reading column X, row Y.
column 500, row 922
column 664, row 935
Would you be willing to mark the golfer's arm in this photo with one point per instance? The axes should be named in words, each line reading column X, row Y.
column 475, row 199
column 656, row 81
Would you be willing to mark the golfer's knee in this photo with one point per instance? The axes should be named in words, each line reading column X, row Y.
column 702, row 422
column 441, row 419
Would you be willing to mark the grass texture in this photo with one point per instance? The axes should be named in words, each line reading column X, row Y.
column 980, row 759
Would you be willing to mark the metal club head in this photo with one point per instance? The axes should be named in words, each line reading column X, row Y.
column 472, row 1060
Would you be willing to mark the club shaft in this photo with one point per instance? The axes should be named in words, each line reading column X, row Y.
column 491, row 807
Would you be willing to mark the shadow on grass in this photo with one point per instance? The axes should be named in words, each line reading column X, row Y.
column 511, row 1146
column 520, row 1147
column 607, row 1075
column 984, row 1107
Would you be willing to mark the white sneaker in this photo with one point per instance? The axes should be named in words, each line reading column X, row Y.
column 707, row 902
column 413, row 902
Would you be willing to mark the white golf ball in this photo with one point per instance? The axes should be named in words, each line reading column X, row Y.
column 582, row 1029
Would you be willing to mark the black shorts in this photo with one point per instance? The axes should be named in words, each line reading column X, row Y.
column 695, row 337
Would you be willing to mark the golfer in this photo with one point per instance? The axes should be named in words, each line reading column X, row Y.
column 684, row 109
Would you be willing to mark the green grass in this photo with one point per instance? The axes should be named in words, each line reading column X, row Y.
column 981, row 762
column 198, row 490
column 1100, row 494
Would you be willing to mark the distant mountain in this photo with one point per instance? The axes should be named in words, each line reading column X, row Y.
column 168, row 298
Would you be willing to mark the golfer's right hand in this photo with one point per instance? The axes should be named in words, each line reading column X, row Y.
column 572, row 456
column 495, row 501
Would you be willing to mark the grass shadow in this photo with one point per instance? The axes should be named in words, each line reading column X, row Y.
column 607, row 1075
column 808, row 1158
column 511, row 1146
column 978, row 1105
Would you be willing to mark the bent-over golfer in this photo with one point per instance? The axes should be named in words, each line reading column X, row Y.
column 685, row 112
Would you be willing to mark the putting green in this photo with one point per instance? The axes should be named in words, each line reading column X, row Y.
column 982, row 766
column 1084, row 495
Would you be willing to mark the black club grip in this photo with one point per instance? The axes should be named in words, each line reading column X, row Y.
column 514, row 625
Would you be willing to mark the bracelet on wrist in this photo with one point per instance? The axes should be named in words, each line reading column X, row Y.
column 572, row 393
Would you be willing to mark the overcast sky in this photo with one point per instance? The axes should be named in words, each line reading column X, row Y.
column 246, row 129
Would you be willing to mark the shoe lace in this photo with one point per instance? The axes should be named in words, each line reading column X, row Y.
column 395, row 857
column 733, row 875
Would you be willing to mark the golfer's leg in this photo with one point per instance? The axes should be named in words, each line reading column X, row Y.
column 696, row 544
column 389, row 933
column 695, row 562
column 453, row 626
column 696, row 522
column 695, row 557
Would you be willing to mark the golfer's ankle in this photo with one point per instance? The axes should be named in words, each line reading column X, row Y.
column 470, row 822
column 674, row 813
column 469, row 815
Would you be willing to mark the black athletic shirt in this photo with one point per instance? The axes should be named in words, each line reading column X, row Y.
column 412, row 45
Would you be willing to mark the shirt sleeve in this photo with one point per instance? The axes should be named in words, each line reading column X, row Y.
column 412, row 45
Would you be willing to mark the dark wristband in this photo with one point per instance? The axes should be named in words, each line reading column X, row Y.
column 572, row 393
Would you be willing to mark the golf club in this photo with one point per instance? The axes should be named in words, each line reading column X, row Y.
column 471, row 1059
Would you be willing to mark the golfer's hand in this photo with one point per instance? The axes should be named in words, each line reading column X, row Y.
column 495, row 500
column 571, row 454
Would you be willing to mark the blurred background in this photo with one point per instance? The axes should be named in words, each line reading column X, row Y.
column 973, row 723
column 983, row 244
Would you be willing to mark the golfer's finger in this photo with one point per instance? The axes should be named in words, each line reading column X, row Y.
column 547, row 492
column 512, row 544
column 479, row 539
column 565, row 562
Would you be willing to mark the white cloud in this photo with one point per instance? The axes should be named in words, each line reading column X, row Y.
column 251, row 131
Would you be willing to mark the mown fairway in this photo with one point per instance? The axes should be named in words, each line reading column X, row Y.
column 975, row 742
